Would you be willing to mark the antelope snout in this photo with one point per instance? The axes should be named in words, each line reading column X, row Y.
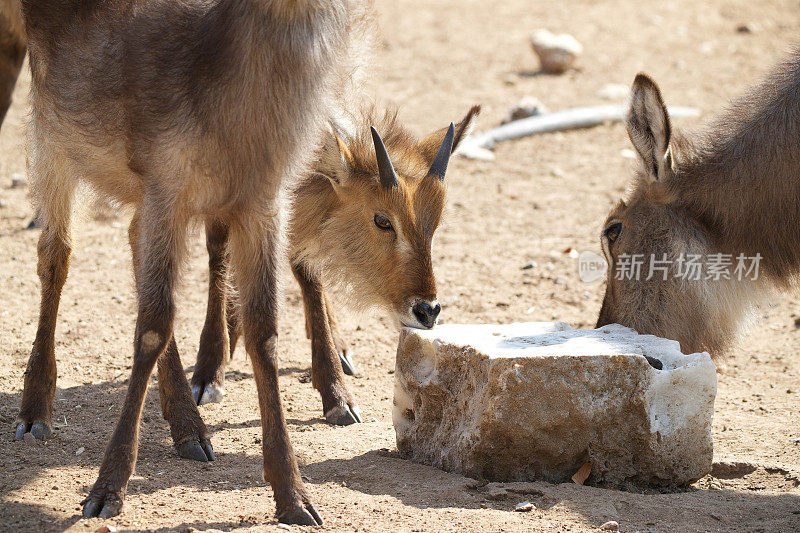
column 426, row 312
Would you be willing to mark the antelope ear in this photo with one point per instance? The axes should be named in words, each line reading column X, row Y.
column 649, row 128
column 429, row 146
column 335, row 161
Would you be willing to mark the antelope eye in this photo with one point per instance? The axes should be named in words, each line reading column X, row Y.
column 383, row 222
column 612, row 232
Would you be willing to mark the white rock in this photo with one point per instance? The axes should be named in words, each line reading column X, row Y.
column 614, row 91
column 18, row 181
column 538, row 400
column 528, row 106
column 557, row 53
column 473, row 151
column 611, row 525
column 524, row 507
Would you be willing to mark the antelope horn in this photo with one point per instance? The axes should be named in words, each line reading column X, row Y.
column 385, row 168
column 439, row 166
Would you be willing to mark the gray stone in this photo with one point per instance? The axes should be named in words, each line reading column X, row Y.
column 530, row 401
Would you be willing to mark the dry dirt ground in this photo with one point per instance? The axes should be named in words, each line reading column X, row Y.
column 541, row 195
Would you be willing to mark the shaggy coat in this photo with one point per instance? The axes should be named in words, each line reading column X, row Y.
column 732, row 188
column 335, row 241
column 198, row 109
column 13, row 45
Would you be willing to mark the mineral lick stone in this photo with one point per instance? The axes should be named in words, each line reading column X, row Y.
column 538, row 400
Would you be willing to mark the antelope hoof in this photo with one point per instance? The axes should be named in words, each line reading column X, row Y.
column 209, row 393
column 102, row 505
column 343, row 415
column 40, row 430
column 197, row 450
column 348, row 366
column 305, row 515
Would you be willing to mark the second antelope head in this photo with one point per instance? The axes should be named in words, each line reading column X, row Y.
column 375, row 239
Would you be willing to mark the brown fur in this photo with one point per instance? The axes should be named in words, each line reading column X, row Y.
column 335, row 242
column 13, row 45
column 184, row 110
column 730, row 188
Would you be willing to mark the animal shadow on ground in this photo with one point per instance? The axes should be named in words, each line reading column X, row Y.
column 376, row 472
column 383, row 472
column 77, row 444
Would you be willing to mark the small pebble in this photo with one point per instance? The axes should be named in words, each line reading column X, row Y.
column 557, row 53
column 614, row 91
column 524, row 507
column 449, row 300
column 706, row 48
column 750, row 27
column 18, row 181
column 611, row 525
column 532, row 264
column 79, row 450
column 285, row 526
column 528, row 106
column 105, row 528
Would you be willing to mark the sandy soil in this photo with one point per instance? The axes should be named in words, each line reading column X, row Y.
column 540, row 196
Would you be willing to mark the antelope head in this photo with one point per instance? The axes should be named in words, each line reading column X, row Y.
column 389, row 197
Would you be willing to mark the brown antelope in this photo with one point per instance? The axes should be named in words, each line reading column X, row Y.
column 729, row 191
column 13, row 45
column 359, row 222
column 199, row 109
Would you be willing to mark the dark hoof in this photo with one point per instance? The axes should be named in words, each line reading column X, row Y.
column 40, row 430
column 197, row 450
column 348, row 366
column 343, row 415
column 302, row 516
column 101, row 505
column 207, row 394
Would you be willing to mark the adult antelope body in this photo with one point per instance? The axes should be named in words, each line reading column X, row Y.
column 363, row 221
column 731, row 190
column 13, row 45
column 183, row 110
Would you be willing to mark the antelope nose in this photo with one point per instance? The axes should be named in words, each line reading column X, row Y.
column 426, row 312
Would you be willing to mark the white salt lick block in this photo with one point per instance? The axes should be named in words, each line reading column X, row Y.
column 538, row 400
